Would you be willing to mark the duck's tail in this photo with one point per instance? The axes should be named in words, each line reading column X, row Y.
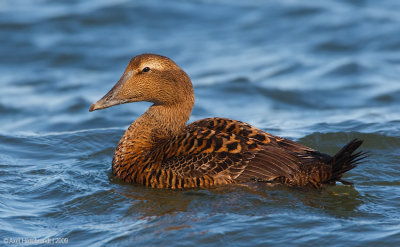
column 345, row 160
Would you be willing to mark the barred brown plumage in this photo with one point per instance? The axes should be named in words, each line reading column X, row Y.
column 159, row 150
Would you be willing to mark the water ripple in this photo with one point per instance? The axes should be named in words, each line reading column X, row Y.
column 321, row 73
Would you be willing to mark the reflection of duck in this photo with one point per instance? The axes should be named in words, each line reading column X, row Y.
column 161, row 151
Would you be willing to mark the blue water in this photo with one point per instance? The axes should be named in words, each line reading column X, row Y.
column 318, row 72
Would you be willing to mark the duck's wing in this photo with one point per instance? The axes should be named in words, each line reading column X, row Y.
column 217, row 151
column 205, row 157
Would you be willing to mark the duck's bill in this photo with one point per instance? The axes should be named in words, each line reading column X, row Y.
column 112, row 98
column 102, row 105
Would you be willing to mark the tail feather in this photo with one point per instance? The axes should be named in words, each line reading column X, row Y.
column 346, row 159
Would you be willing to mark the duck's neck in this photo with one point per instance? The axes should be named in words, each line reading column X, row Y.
column 157, row 123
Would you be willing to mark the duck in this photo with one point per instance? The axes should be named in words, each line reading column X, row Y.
column 160, row 150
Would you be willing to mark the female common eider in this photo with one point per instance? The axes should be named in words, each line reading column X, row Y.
column 159, row 150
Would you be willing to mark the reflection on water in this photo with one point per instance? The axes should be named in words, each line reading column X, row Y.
column 248, row 199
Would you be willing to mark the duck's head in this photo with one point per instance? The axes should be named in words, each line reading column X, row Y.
column 152, row 78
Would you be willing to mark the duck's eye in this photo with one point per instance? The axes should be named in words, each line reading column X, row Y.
column 146, row 69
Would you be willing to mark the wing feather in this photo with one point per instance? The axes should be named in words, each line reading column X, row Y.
column 232, row 150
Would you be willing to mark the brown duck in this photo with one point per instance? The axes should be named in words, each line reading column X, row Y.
column 159, row 150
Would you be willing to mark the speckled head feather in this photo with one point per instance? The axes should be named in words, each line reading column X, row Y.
column 152, row 78
column 159, row 150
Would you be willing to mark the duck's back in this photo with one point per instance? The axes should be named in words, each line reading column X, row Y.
column 217, row 151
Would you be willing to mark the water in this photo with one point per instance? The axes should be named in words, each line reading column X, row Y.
column 318, row 72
